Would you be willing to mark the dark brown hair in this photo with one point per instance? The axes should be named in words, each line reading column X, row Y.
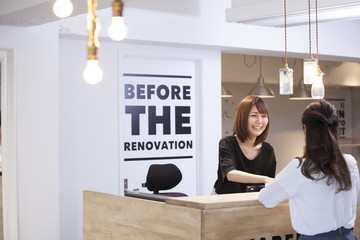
column 242, row 116
column 322, row 152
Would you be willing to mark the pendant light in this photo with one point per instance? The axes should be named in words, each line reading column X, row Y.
column 301, row 92
column 260, row 89
column 317, row 88
column 310, row 64
column 286, row 73
column 117, row 30
column 225, row 93
column 92, row 73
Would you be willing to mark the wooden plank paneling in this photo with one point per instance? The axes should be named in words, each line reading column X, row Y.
column 357, row 222
column 252, row 222
column 216, row 201
column 230, row 217
column 109, row 217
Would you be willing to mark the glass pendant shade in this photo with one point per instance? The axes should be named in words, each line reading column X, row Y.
column 317, row 88
column 310, row 70
column 261, row 90
column 286, row 80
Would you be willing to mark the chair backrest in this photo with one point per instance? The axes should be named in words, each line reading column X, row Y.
column 163, row 177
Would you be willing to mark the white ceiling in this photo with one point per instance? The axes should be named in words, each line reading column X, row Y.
column 258, row 12
column 37, row 12
column 271, row 12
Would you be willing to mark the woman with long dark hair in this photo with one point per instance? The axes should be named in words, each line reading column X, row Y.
column 245, row 159
column 323, row 185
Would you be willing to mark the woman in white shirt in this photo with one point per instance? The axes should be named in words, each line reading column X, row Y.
column 322, row 186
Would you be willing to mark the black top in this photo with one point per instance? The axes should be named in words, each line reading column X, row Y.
column 232, row 158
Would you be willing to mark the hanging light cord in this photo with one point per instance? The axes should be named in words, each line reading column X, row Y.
column 289, row 64
column 317, row 37
column 286, row 60
column 93, row 29
column 309, row 30
column 285, row 33
column 249, row 65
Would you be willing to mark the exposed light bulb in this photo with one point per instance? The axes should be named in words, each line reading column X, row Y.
column 62, row 8
column 317, row 88
column 286, row 80
column 310, row 70
column 117, row 30
column 92, row 73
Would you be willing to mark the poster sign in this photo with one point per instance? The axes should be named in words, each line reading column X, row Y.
column 340, row 105
column 157, row 114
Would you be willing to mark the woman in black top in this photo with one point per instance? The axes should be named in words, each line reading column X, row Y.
column 245, row 159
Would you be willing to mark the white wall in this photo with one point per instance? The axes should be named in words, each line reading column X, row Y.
column 89, row 124
column 87, row 132
column 36, row 81
column 67, row 130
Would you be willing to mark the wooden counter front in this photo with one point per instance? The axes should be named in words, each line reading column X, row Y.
column 215, row 217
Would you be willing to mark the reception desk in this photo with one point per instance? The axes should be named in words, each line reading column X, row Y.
column 230, row 216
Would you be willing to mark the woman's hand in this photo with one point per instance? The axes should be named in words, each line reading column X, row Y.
column 268, row 179
column 244, row 177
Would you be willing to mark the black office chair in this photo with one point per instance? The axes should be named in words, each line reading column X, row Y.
column 163, row 177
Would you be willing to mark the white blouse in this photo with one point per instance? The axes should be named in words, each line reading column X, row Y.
column 315, row 207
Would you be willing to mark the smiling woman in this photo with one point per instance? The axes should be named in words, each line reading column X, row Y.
column 246, row 161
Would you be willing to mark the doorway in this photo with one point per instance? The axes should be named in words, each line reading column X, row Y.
column 1, row 202
column 8, row 146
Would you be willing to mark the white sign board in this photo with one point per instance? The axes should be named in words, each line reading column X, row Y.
column 157, row 118
column 341, row 99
